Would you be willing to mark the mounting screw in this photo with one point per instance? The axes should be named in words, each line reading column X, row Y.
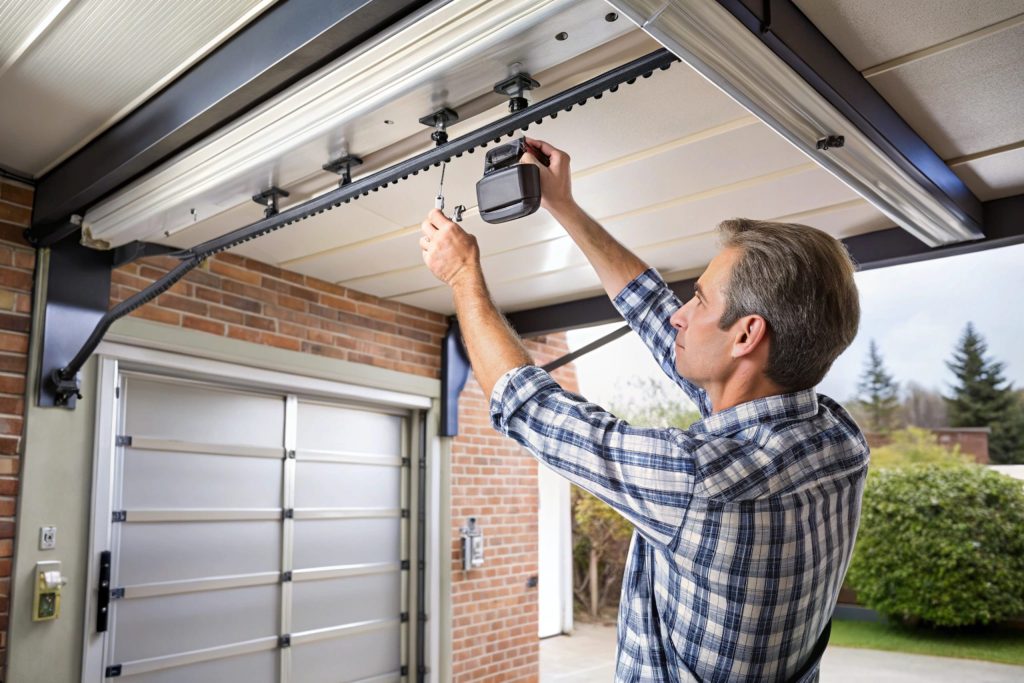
column 830, row 142
column 343, row 167
column 514, row 88
column 439, row 121
column 268, row 198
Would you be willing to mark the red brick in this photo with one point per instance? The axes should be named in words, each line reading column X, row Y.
column 14, row 323
column 12, row 384
column 8, row 487
column 15, row 194
column 14, row 214
column 219, row 267
column 157, row 314
column 16, row 279
column 202, row 324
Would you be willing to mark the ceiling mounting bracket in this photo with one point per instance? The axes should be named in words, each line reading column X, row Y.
column 514, row 87
column 268, row 198
column 439, row 121
column 343, row 167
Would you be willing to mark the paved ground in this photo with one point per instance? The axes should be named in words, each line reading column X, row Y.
column 589, row 655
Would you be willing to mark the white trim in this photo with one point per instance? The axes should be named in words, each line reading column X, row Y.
column 139, row 357
column 101, row 506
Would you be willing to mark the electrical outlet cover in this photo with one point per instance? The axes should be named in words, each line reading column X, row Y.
column 47, row 538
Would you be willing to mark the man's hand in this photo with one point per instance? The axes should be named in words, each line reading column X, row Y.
column 555, row 178
column 450, row 252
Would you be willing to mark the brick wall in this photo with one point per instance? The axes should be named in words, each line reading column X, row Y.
column 237, row 297
column 494, row 612
column 17, row 263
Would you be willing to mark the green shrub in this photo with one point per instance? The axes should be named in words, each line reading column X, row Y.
column 941, row 545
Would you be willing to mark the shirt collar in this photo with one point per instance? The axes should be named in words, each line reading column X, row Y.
column 798, row 405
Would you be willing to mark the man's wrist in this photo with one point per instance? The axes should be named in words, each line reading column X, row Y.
column 468, row 278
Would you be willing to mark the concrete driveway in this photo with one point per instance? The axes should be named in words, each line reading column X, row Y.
column 589, row 656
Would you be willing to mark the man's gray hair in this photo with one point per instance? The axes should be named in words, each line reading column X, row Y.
column 800, row 280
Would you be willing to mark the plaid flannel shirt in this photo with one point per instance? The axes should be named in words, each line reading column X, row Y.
column 744, row 523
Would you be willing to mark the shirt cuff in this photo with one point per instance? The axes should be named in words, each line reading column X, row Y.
column 637, row 294
column 513, row 389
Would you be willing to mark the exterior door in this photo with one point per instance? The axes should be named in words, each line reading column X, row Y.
column 256, row 537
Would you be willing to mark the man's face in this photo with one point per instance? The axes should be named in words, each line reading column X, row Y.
column 703, row 351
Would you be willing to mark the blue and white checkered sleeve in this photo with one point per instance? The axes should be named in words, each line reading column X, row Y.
column 647, row 304
column 646, row 474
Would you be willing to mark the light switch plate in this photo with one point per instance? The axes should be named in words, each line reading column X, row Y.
column 47, row 537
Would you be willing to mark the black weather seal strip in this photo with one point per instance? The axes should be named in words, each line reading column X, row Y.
column 63, row 379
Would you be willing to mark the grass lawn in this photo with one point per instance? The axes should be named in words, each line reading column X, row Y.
column 993, row 644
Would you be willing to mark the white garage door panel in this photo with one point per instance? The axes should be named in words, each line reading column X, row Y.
column 333, row 542
column 329, row 602
column 261, row 667
column 174, row 551
column 269, row 484
column 349, row 658
column 324, row 485
column 331, row 428
column 200, row 414
column 177, row 480
column 187, row 622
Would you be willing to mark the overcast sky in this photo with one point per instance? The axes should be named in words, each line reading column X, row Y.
column 916, row 313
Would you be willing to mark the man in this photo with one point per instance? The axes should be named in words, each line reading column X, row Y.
column 744, row 522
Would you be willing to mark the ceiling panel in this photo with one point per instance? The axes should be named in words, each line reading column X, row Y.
column 94, row 62
column 965, row 100
column 869, row 32
column 994, row 176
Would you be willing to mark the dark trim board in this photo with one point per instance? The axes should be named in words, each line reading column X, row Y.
column 1003, row 223
column 287, row 42
column 787, row 32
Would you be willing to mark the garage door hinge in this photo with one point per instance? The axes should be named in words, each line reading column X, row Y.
column 422, row 616
column 285, row 640
column 286, row 577
column 405, row 565
column 405, row 513
column 288, row 513
column 404, row 671
column 405, row 462
column 113, row 671
column 289, row 455
column 404, row 617
column 116, row 593
column 123, row 440
column 119, row 516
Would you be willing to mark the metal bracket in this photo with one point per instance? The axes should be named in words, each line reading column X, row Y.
column 119, row 516
column 288, row 513
column 831, row 141
column 343, row 167
column 77, row 296
column 113, row 671
column 286, row 577
column 285, row 640
column 268, row 198
column 117, row 593
column 514, row 88
column 133, row 251
column 454, row 373
column 123, row 441
column 439, row 121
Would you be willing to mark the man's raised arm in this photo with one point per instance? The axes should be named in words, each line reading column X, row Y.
column 615, row 265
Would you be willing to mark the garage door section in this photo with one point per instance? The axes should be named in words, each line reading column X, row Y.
column 256, row 537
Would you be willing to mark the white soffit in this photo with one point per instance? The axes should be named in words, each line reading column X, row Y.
column 69, row 69
column 713, row 42
column 951, row 69
column 452, row 54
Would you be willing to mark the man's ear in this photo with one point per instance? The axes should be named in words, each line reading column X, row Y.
column 751, row 332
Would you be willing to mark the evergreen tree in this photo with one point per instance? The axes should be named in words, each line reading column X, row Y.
column 982, row 397
column 878, row 393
